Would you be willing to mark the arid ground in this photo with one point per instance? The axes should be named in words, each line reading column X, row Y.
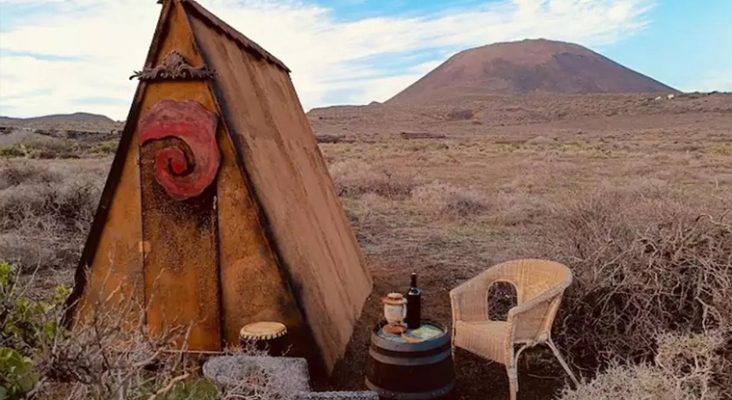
column 629, row 191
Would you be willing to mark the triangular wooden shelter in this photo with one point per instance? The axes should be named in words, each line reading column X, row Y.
column 218, row 209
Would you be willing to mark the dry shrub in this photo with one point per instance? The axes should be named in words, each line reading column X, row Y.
column 628, row 382
column 36, row 248
column 698, row 360
column 68, row 203
column 464, row 204
column 451, row 201
column 460, row 115
column 109, row 359
column 45, row 214
column 368, row 206
column 16, row 173
column 111, row 354
column 42, row 149
column 354, row 178
column 645, row 261
column 683, row 370
column 517, row 207
column 258, row 377
column 108, row 147
column 101, row 359
column 540, row 141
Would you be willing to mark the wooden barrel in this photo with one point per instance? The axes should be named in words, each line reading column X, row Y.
column 417, row 365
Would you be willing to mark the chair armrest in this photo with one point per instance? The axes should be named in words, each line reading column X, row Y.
column 469, row 300
column 533, row 303
column 533, row 319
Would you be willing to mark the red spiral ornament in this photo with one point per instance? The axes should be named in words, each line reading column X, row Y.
column 184, row 173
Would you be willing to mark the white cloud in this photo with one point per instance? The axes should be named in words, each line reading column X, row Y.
column 720, row 81
column 103, row 41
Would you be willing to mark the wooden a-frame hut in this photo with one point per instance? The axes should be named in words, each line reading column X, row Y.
column 218, row 209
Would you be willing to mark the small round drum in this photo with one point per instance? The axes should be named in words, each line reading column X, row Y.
column 266, row 336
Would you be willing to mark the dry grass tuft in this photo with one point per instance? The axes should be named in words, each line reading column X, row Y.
column 518, row 208
column 354, row 178
column 684, row 370
column 450, row 200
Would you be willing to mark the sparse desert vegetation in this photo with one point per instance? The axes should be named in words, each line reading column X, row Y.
column 46, row 209
column 637, row 204
column 650, row 254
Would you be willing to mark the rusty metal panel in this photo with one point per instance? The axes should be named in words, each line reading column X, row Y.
column 177, row 175
column 252, row 287
column 115, row 275
column 179, row 159
column 316, row 247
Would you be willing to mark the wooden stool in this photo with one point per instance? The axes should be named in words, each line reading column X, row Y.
column 266, row 335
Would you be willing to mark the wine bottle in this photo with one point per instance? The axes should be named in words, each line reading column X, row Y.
column 414, row 306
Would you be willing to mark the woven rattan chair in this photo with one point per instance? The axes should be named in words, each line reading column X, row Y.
column 539, row 287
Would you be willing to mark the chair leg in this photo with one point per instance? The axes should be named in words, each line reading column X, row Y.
column 561, row 361
column 512, row 381
column 513, row 371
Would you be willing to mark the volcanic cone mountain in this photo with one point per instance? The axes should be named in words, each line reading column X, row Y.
column 528, row 66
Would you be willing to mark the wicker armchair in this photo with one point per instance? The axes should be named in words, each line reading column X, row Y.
column 539, row 287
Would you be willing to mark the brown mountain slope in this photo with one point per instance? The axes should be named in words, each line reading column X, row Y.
column 528, row 66
column 79, row 117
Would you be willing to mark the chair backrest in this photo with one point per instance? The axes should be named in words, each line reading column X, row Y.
column 539, row 288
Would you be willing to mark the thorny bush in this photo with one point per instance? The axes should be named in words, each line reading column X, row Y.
column 109, row 355
column 643, row 265
column 683, row 370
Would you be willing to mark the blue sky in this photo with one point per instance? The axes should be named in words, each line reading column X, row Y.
column 686, row 45
column 62, row 56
